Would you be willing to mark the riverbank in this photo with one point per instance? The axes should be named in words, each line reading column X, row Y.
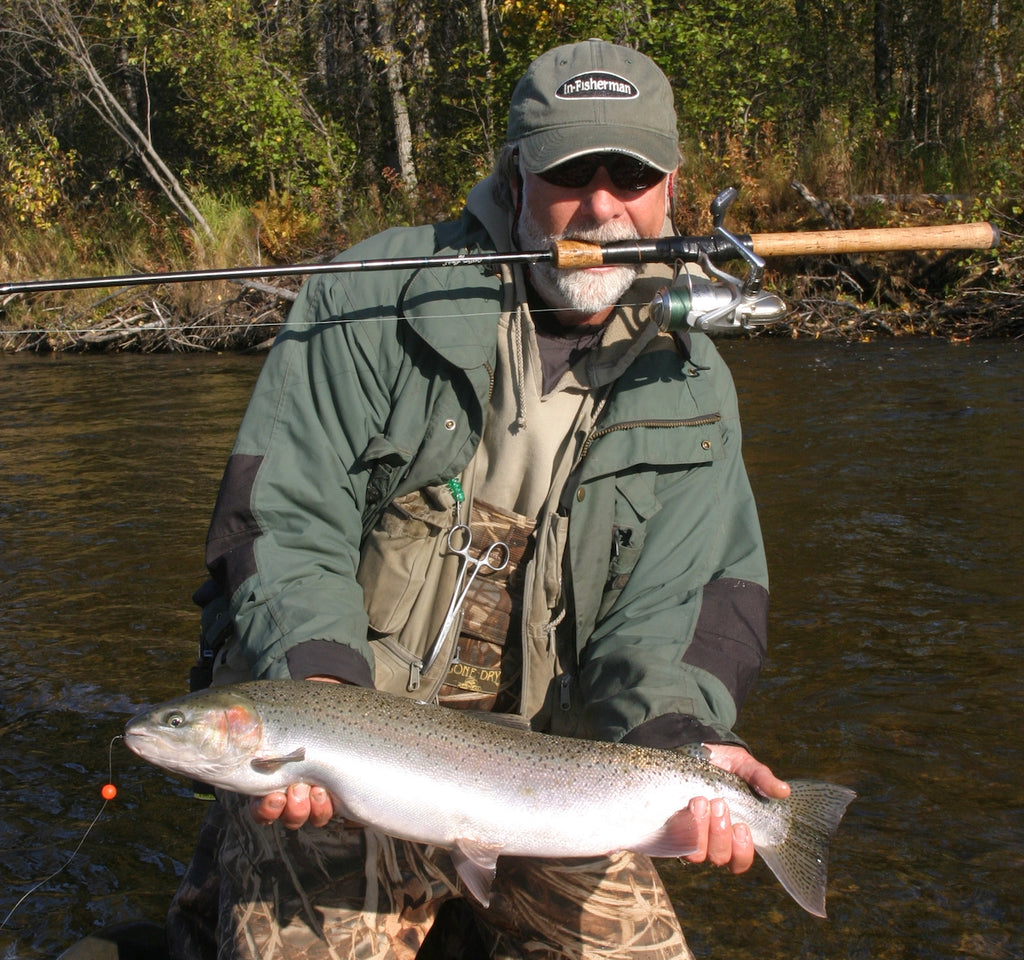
column 956, row 295
column 822, row 309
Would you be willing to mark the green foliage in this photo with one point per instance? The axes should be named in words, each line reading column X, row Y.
column 239, row 103
column 259, row 101
column 37, row 174
column 731, row 65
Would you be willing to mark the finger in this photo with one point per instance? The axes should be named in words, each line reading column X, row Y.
column 719, row 834
column 742, row 849
column 738, row 760
column 266, row 810
column 296, row 811
column 766, row 783
column 321, row 807
column 701, row 812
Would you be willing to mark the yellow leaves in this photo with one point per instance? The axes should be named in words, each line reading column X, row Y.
column 285, row 229
column 539, row 16
column 535, row 10
column 36, row 170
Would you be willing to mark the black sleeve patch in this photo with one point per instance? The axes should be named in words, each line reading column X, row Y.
column 731, row 638
column 324, row 658
column 233, row 528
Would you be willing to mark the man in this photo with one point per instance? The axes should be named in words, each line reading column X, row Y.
column 543, row 410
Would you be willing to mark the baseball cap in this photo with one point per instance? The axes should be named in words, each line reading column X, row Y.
column 589, row 97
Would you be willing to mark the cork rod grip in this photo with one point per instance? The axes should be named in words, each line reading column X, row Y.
column 575, row 254
column 954, row 236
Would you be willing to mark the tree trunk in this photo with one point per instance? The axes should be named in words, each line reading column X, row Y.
column 485, row 31
column 485, row 38
column 367, row 112
column 997, row 69
column 882, row 50
column 399, row 106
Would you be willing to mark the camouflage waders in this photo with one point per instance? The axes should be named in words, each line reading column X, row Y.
column 268, row 893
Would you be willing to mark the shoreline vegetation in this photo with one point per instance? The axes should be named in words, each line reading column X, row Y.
column 958, row 295
column 140, row 137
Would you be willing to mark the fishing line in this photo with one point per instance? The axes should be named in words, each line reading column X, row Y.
column 108, row 792
column 200, row 326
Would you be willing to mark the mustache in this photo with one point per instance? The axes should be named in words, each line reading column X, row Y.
column 599, row 232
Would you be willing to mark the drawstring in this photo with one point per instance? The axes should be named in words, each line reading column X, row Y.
column 515, row 332
column 551, row 626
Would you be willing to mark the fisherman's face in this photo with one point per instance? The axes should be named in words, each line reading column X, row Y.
column 624, row 203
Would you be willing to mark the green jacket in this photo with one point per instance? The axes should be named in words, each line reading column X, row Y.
column 378, row 386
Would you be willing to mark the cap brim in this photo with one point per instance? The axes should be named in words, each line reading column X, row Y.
column 548, row 148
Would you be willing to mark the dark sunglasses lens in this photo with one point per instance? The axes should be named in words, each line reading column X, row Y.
column 626, row 173
column 573, row 173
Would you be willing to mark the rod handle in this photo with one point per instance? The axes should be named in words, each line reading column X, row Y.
column 576, row 254
column 953, row 236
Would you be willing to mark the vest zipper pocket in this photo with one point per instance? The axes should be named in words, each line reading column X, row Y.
column 701, row 421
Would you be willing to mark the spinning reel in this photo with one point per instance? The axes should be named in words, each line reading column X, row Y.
column 719, row 302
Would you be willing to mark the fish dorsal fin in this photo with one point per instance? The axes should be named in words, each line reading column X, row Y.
column 476, row 864
column 270, row 764
column 677, row 837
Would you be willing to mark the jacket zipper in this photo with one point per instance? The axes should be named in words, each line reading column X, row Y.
column 702, row 421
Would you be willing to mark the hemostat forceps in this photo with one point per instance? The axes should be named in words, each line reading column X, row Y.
column 494, row 558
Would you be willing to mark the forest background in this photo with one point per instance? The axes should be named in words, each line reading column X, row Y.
column 150, row 135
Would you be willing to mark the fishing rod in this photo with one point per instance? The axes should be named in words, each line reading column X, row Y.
column 718, row 302
column 722, row 303
column 570, row 254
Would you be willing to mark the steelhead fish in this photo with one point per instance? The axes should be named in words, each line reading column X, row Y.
column 478, row 788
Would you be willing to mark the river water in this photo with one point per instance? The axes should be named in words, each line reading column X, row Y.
column 889, row 477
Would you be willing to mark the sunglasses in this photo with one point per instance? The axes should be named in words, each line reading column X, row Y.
column 626, row 173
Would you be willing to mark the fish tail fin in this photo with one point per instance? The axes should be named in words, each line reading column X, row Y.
column 800, row 861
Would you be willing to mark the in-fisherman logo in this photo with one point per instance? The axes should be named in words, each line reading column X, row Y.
column 597, row 86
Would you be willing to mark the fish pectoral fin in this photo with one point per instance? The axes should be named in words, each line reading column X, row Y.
column 677, row 837
column 270, row 764
column 476, row 864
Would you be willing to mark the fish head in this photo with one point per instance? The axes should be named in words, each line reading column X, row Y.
column 208, row 735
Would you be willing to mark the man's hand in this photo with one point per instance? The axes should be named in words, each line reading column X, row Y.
column 722, row 842
column 301, row 804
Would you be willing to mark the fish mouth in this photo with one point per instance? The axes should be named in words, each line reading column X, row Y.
column 147, row 743
column 137, row 726
column 136, row 738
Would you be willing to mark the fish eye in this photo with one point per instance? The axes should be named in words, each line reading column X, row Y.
column 175, row 719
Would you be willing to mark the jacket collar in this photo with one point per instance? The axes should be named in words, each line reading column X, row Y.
column 456, row 309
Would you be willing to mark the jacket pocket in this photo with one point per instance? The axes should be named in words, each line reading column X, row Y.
column 397, row 554
column 635, row 504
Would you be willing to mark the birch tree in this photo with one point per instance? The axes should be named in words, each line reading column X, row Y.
column 38, row 25
column 387, row 54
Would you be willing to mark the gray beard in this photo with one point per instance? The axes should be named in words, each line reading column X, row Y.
column 577, row 290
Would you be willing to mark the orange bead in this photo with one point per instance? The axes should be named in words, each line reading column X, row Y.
column 109, row 791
